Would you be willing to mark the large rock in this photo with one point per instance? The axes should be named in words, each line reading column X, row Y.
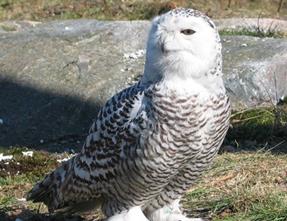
column 255, row 70
column 55, row 75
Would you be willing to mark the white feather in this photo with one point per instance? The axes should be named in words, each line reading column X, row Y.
column 133, row 214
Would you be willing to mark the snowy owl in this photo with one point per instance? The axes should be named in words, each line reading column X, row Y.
column 151, row 141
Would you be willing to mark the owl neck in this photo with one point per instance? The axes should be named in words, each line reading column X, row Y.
column 184, row 76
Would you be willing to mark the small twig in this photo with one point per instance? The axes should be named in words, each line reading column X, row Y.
column 247, row 110
column 272, row 30
column 39, row 208
column 272, row 148
column 280, row 5
column 239, row 112
column 262, row 150
column 249, row 118
column 246, row 119
column 269, row 95
column 237, row 144
column 229, row 3
column 258, row 25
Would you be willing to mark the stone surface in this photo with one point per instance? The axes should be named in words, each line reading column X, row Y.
column 55, row 75
column 253, row 24
column 255, row 70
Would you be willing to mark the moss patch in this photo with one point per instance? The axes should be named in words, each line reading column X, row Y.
column 259, row 127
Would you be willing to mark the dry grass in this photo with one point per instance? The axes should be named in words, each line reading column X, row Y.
column 134, row 9
column 239, row 186
column 243, row 186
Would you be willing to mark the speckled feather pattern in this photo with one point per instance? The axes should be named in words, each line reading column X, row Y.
column 148, row 145
column 189, row 12
column 148, row 160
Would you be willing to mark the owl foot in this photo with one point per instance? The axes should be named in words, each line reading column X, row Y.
column 175, row 217
column 134, row 213
column 170, row 212
column 180, row 217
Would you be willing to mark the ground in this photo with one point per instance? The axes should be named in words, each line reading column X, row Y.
column 244, row 185
column 248, row 180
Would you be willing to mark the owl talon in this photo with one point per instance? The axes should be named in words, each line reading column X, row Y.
column 135, row 213
column 180, row 217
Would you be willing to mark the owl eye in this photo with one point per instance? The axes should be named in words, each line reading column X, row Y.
column 187, row 31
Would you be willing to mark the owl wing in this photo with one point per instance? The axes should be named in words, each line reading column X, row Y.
column 119, row 124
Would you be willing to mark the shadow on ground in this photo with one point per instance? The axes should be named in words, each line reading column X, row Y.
column 29, row 215
column 258, row 136
column 42, row 120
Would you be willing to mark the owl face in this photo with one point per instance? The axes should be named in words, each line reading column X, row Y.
column 183, row 41
column 189, row 34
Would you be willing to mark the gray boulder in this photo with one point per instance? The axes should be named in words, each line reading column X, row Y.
column 54, row 76
column 255, row 70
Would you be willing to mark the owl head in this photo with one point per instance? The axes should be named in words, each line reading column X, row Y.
column 182, row 43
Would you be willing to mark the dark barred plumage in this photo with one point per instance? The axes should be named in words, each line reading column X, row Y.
column 147, row 159
column 151, row 141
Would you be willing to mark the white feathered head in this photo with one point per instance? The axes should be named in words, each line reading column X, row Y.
column 183, row 43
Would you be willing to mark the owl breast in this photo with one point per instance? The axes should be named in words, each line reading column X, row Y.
column 187, row 128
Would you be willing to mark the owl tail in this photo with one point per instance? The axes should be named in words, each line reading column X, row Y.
column 50, row 189
column 62, row 193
